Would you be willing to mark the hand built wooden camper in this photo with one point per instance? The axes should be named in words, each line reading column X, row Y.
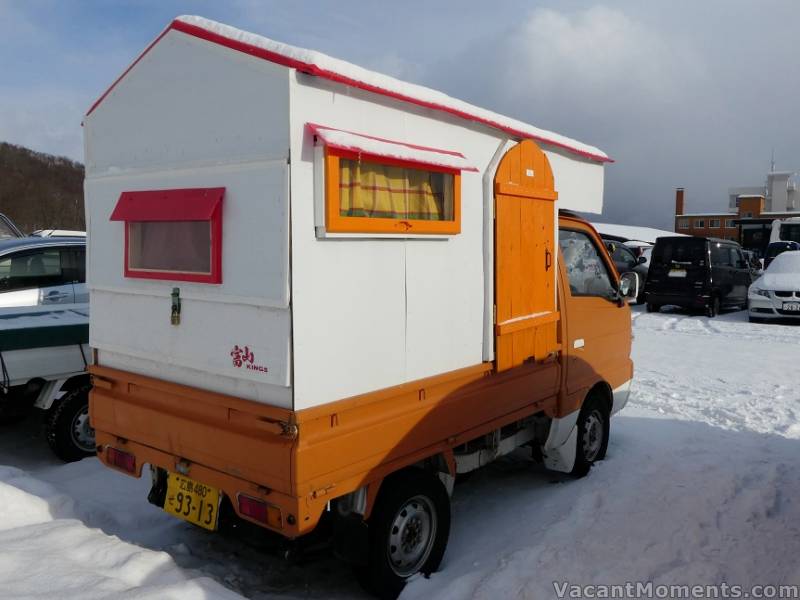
column 316, row 290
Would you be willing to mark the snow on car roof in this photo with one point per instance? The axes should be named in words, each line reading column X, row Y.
column 322, row 65
column 786, row 262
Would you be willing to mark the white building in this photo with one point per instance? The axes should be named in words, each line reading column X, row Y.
column 779, row 191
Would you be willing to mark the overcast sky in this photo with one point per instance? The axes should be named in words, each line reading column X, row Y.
column 692, row 93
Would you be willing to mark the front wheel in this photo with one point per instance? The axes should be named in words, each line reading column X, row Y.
column 592, row 442
column 69, row 432
column 408, row 532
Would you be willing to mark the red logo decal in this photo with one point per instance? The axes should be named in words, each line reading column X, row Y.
column 244, row 357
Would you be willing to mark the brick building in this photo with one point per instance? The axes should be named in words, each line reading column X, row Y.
column 750, row 213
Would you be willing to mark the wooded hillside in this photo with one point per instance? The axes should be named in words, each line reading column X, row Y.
column 40, row 191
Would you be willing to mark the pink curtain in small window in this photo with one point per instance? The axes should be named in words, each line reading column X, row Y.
column 181, row 246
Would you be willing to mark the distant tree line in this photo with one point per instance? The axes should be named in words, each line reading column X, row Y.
column 40, row 191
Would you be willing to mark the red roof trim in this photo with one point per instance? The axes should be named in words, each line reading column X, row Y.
column 191, row 204
column 126, row 71
column 313, row 69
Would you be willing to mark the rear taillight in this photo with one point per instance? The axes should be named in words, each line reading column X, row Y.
column 122, row 460
column 259, row 510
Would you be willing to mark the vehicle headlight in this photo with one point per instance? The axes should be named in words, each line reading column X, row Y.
column 759, row 292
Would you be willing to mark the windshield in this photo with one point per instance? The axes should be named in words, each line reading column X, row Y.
column 790, row 232
column 687, row 251
column 777, row 248
column 787, row 262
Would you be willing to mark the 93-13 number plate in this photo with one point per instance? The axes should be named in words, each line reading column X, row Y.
column 192, row 501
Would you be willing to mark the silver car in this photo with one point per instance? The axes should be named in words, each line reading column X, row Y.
column 36, row 271
column 776, row 294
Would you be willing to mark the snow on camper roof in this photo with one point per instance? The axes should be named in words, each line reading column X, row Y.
column 322, row 65
column 368, row 144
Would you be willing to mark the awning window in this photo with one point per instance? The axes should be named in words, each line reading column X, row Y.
column 360, row 143
column 172, row 234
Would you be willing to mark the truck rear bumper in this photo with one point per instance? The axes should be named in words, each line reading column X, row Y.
column 288, row 508
column 239, row 447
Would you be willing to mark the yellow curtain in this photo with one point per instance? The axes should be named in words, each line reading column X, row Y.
column 375, row 190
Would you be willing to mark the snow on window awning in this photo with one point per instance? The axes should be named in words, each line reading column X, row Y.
column 376, row 146
column 192, row 204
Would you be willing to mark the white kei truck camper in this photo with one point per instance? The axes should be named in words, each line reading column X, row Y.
column 320, row 294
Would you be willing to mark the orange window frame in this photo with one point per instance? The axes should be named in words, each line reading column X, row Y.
column 336, row 223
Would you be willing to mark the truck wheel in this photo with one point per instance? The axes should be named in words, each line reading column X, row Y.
column 69, row 433
column 593, row 427
column 653, row 307
column 408, row 532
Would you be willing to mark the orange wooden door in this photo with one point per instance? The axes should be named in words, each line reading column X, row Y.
column 525, row 254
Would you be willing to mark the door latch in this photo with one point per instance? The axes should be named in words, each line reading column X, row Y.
column 175, row 315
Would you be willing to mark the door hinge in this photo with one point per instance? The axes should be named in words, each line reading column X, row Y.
column 494, row 314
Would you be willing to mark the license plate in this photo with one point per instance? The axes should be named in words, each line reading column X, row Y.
column 192, row 501
column 791, row 306
column 677, row 273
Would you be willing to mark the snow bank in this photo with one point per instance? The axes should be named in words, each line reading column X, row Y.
column 47, row 553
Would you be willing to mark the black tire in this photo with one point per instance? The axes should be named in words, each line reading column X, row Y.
column 408, row 501
column 68, row 430
column 755, row 319
column 593, row 429
column 653, row 307
column 713, row 307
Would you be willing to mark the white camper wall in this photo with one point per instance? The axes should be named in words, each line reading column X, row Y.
column 194, row 114
column 373, row 313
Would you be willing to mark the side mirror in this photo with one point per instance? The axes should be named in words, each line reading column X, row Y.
column 642, row 260
column 629, row 286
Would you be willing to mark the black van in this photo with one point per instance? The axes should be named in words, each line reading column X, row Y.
column 706, row 274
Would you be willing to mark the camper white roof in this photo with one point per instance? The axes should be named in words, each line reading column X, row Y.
column 317, row 63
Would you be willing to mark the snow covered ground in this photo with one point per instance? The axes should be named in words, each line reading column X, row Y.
column 700, row 486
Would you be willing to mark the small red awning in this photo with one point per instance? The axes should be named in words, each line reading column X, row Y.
column 377, row 146
column 191, row 204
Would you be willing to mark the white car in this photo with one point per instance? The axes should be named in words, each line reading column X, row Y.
column 36, row 271
column 44, row 339
column 776, row 294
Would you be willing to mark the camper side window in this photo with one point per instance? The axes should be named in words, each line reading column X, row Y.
column 172, row 234
column 367, row 194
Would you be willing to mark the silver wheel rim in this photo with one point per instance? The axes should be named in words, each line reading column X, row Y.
column 81, row 431
column 593, row 435
column 411, row 536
